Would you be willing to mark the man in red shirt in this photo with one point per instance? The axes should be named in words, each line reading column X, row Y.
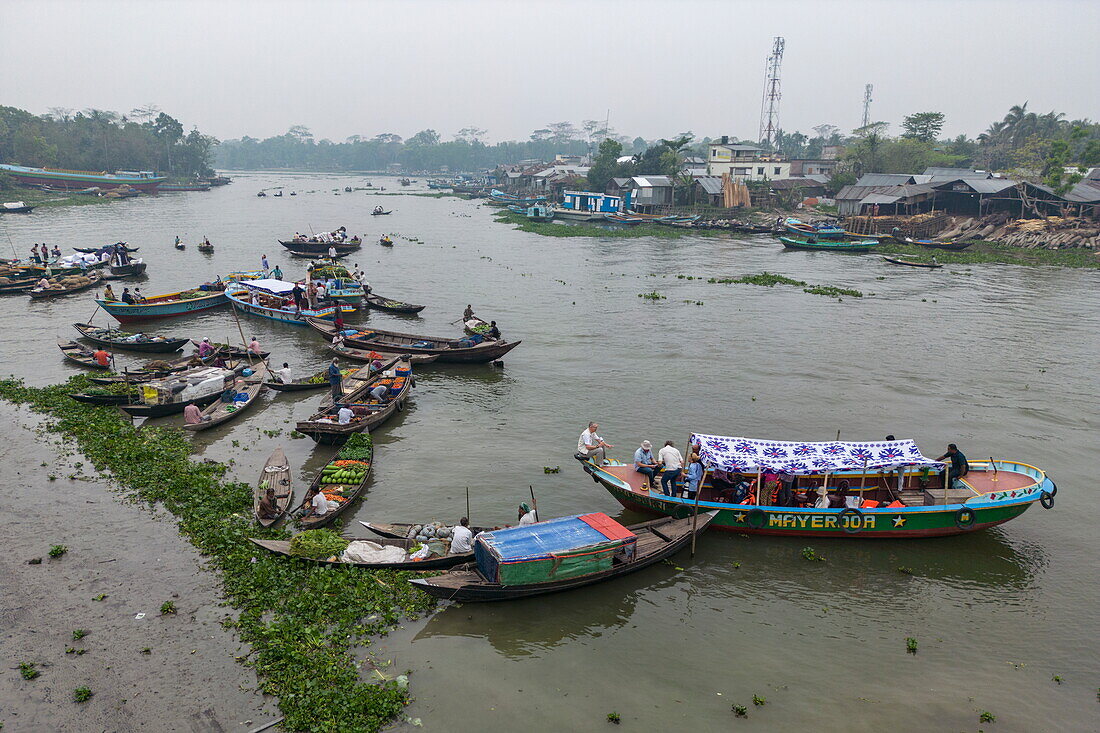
column 102, row 357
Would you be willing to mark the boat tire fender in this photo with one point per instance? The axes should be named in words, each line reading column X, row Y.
column 856, row 523
column 756, row 518
column 1053, row 489
column 1047, row 500
column 400, row 406
column 965, row 518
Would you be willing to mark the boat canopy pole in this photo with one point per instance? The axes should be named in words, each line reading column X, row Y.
column 695, row 516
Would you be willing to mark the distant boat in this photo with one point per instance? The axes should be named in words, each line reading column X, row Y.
column 144, row 181
column 538, row 212
column 828, row 231
column 177, row 187
column 864, row 245
column 15, row 207
column 910, row 263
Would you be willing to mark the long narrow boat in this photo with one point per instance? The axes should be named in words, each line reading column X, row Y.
column 127, row 341
column 144, row 181
column 101, row 396
column 274, row 475
column 168, row 305
column 910, row 263
column 220, row 412
column 159, row 368
column 932, row 244
column 80, row 354
column 438, row 562
column 351, row 382
column 169, row 395
column 269, row 298
column 462, row 351
column 519, row 562
column 345, row 493
column 322, row 247
column 90, row 281
column 830, row 246
column 234, row 352
column 895, row 492
column 94, row 250
column 796, row 226
column 401, row 530
column 132, row 268
column 369, row 355
column 373, row 300
column 14, row 286
column 319, row 380
column 323, row 426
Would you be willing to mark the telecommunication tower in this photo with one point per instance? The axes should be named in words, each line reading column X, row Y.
column 867, row 104
column 769, row 105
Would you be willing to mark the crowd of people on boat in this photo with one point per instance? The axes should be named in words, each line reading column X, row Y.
column 127, row 297
column 338, row 236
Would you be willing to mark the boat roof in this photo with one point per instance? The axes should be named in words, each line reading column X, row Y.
column 269, row 285
column 530, row 541
column 749, row 455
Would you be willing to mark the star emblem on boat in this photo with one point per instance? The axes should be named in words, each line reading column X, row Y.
column 740, row 516
column 899, row 521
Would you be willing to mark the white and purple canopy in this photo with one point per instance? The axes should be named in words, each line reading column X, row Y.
column 749, row 455
column 269, row 285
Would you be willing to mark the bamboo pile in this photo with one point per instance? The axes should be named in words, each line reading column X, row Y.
column 734, row 193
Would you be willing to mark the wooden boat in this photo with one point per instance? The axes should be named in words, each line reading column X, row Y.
column 400, row 530
column 447, row 349
column 175, row 366
column 829, row 246
column 795, row 226
column 204, row 247
column 121, row 340
column 381, row 213
column 370, row 413
column 385, row 241
column 275, row 475
column 626, row 219
column 220, row 412
column 169, row 395
column 607, row 550
column 180, row 187
column 117, row 272
column 143, row 181
column 282, row 547
column 15, row 207
column 235, row 352
column 303, row 385
column 80, row 354
column 368, row 355
column 950, row 246
column 910, row 505
column 315, row 255
column 237, row 296
column 101, row 399
column 378, row 302
column 910, row 263
column 18, row 285
column 350, row 383
column 348, row 492
column 478, row 326
column 94, row 250
column 169, row 305
column 349, row 245
column 41, row 293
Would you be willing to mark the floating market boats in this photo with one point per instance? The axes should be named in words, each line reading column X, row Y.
column 342, row 480
column 65, row 285
column 12, row 286
column 405, row 530
column 269, row 298
column 561, row 554
column 394, row 554
column 892, row 491
column 339, row 284
column 130, row 341
column 315, row 381
column 81, row 354
column 235, row 352
column 865, row 245
column 467, row 350
column 56, row 178
column 910, row 263
column 169, row 395
column 274, row 475
column 824, row 231
column 369, row 355
column 169, row 305
column 108, row 395
column 368, row 411
column 378, row 302
column 222, row 411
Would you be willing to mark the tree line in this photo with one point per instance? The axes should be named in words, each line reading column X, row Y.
column 100, row 140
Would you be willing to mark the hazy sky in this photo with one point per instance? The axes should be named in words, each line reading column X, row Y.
column 341, row 68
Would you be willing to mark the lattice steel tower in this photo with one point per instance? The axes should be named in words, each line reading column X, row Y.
column 867, row 104
column 769, row 105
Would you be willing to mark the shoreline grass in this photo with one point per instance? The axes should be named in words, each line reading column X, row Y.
column 302, row 620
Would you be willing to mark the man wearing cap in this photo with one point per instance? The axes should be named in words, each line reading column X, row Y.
column 205, row 349
column 527, row 515
column 645, row 464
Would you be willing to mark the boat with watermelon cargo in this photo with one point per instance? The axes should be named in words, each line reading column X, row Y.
column 561, row 554
column 342, row 480
column 892, row 490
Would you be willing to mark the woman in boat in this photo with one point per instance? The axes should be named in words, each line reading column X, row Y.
column 694, row 476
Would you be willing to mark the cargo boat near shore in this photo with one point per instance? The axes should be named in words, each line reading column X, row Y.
column 896, row 492
column 55, row 178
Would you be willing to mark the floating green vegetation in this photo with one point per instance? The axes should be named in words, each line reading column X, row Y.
column 652, row 296
column 758, row 701
column 58, row 550
column 168, row 608
column 301, row 619
column 82, row 694
column 808, row 553
column 28, row 670
column 832, row 291
column 987, row 717
column 765, row 279
column 593, row 229
column 910, row 645
column 613, row 718
column 994, row 253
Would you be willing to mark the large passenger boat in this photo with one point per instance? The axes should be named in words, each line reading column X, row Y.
column 144, row 181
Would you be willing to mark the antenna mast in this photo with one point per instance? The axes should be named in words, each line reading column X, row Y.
column 769, row 105
column 867, row 104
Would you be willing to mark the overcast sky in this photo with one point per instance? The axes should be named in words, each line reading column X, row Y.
column 237, row 68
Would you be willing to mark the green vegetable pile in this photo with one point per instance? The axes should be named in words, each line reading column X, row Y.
column 318, row 544
column 359, row 447
column 301, row 619
column 346, row 474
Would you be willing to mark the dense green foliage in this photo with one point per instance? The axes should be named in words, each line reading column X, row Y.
column 97, row 140
column 318, row 544
column 301, row 619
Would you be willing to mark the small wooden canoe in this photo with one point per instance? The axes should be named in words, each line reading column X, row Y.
column 656, row 540
column 102, row 399
column 351, row 493
column 400, row 530
column 275, row 475
column 93, row 250
column 950, row 246
column 392, row 342
column 80, row 354
column 220, row 412
column 120, row 340
column 282, row 547
column 392, row 306
column 365, row 354
column 382, row 213
column 234, row 352
column 910, row 263
column 40, row 293
column 829, row 246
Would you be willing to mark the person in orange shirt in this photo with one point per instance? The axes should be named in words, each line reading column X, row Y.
column 101, row 357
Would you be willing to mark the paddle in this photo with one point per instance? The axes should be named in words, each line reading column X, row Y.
column 534, row 503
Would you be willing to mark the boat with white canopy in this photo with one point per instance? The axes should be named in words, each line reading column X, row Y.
column 270, row 298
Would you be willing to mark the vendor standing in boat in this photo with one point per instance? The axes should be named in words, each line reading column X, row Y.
column 334, row 379
column 959, row 466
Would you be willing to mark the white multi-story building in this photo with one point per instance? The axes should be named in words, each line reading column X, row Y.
column 745, row 162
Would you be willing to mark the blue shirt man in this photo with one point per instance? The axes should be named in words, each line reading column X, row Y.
column 645, row 464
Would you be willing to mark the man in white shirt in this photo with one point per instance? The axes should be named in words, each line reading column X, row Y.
column 673, row 463
column 322, row 505
column 332, row 253
column 462, row 539
column 286, row 375
column 527, row 515
column 593, row 446
column 343, row 417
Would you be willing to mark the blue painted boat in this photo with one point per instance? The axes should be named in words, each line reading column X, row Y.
column 168, row 305
column 797, row 226
column 265, row 293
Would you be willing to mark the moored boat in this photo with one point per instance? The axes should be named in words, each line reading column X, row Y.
column 179, row 187
column 168, row 305
column 342, row 480
column 65, row 285
column 378, row 302
column 404, row 530
column 169, row 395
column 561, row 554
column 130, row 341
column 825, row 231
column 274, row 475
column 377, row 552
column 55, row 178
column 222, row 411
column 370, row 355
column 368, row 411
column 81, row 354
column 15, row 207
column 910, row 263
column 890, row 489
column 828, row 246
column 269, row 298
column 467, row 350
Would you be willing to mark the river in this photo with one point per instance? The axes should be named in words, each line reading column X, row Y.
column 998, row 359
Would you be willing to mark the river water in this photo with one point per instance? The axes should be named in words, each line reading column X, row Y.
column 998, row 359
